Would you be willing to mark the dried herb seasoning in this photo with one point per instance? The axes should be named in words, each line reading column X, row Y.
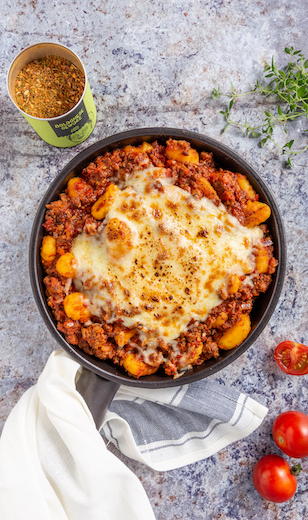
column 49, row 87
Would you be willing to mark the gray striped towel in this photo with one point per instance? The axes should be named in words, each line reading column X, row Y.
column 171, row 427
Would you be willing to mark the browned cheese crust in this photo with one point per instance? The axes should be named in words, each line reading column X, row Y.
column 71, row 215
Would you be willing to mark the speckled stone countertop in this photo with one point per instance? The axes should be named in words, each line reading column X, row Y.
column 153, row 63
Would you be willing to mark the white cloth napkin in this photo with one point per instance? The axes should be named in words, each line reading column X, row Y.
column 54, row 464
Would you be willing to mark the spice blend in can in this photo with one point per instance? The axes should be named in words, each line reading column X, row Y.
column 48, row 84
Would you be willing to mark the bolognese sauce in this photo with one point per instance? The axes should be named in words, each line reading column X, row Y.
column 154, row 257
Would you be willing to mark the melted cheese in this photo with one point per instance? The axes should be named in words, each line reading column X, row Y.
column 180, row 254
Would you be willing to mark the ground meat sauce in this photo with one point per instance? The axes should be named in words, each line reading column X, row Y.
column 106, row 334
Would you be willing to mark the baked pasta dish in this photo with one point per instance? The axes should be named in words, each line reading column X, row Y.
column 154, row 258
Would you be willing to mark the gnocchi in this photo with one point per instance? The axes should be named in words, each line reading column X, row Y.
column 246, row 186
column 48, row 249
column 72, row 187
column 236, row 334
column 234, row 283
column 258, row 212
column 136, row 367
column 101, row 207
column 144, row 147
column 119, row 238
column 123, row 337
column 181, row 152
column 75, row 307
column 66, row 265
column 154, row 257
column 262, row 260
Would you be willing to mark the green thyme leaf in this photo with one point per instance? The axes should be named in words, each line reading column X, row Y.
column 288, row 145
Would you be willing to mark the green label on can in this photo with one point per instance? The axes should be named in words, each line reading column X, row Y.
column 70, row 129
column 77, row 119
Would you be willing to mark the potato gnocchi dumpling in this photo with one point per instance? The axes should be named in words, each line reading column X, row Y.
column 75, row 307
column 104, row 203
column 48, row 249
column 154, row 257
column 66, row 265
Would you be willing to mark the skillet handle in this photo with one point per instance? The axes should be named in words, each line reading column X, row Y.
column 97, row 393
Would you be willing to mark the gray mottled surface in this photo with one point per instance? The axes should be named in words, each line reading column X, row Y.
column 154, row 63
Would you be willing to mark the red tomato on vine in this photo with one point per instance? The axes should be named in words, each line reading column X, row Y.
column 290, row 432
column 274, row 479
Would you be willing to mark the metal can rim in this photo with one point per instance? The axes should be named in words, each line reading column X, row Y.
column 27, row 49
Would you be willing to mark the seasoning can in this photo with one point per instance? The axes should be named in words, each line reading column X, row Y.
column 68, row 129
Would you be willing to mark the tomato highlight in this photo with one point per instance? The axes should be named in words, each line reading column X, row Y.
column 274, row 479
column 290, row 432
column 292, row 358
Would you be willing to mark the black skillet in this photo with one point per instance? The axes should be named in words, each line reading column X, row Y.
column 100, row 379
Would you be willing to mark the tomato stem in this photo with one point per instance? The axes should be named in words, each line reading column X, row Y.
column 296, row 469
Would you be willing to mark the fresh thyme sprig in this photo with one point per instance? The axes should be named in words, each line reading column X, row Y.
column 289, row 87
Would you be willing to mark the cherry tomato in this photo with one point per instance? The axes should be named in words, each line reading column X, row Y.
column 290, row 432
column 292, row 358
column 273, row 479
